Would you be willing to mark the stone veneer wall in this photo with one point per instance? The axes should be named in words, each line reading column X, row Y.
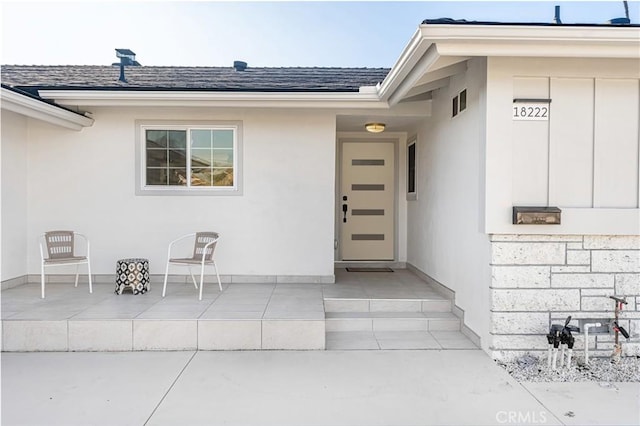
column 538, row 280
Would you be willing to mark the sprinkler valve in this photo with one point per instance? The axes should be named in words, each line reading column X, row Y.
column 619, row 329
column 560, row 336
column 617, row 347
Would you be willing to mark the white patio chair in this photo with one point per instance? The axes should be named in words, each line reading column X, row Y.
column 203, row 248
column 60, row 250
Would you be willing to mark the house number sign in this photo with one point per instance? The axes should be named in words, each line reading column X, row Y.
column 531, row 110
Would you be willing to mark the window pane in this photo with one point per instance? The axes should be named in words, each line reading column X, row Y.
column 177, row 176
column 177, row 158
column 156, row 176
column 200, row 158
column 156, row 138
column 223, row 158
column 177, row 139
column 201, row 177
column 223, row 177
column 411, row 168
column 157, row 158
column 201, row 138
column 223, row 138
column 208, row 152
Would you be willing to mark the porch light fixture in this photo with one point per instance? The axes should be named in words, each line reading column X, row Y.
column 375, row 127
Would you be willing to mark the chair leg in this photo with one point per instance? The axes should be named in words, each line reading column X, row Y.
column 42, row 279
column 90, row 283
column 195, row 284
column 166, row 274
column 77, row 270
column 201, row 281
column 217, row 275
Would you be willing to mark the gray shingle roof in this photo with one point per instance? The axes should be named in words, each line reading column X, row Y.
column 34, row 77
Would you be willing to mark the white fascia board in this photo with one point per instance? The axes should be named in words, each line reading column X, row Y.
column 534, row 41
column 33, row 108
column 366, row 99
column 421, row 67
column 543, row 49
column 411, row 54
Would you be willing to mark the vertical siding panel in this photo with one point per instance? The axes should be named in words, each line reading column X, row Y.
column 530, row 147
column 616, row 143
column 571, row 142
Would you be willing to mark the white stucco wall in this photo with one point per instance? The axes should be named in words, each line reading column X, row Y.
column 282, row 224
column 446, row 238
column 13, row 155
column 585, row 159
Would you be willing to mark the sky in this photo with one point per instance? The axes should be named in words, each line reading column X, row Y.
column 263, row 33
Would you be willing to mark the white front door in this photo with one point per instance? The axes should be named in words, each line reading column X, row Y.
column 366, row 201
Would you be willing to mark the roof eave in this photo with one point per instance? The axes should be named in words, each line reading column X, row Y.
column 432, row 42
column 410, row 55
column 176, row 98
column 535, row 41
column 40, row 110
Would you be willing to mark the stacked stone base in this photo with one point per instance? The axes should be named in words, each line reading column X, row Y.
column 539, row 280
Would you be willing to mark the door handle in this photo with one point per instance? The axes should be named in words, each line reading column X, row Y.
column 344, row 210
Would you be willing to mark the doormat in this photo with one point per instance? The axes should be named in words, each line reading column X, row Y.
column 369, row 270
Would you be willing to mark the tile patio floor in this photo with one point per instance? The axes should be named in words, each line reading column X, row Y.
column 77, row 312
column 237, row 300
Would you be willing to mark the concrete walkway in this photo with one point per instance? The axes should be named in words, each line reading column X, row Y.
column 294, row 388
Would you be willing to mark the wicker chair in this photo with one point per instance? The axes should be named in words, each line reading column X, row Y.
column 60, row 251
column 203, row 248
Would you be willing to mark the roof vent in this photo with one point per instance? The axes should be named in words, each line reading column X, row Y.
column 239, row 65
column 622, row 21
column 556, row 18
column 619, row 21
column 127, row 57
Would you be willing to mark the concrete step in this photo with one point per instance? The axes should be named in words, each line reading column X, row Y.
column 390, row 340
column 386, row 305
column 391, row 321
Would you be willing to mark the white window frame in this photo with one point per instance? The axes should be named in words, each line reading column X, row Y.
column 141, row 157
column 412, row 196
